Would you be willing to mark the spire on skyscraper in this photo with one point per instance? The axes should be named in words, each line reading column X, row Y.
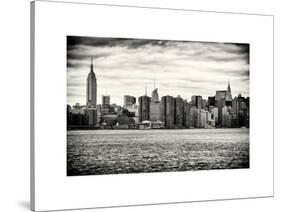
column 92, row 68
column 228, row 92
column 228, row 88
column 145, row 90
column 91, row 92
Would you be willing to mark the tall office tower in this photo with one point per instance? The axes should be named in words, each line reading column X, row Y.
column 211, row 101
column 220, row 104
column 167, row 111
column 144, row 108
column 91, row 88
column 105, row 100
column 186, row 114
column 155, row 96
column 203, row 118
column 196, row 101
column 178, row 112
column 193, row 116
column 129, row 100
column 155, row 106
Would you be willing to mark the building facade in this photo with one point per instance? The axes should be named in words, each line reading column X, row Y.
column 129, row 101
column 144, row 108
column 178, row 112
column 168, row 111
column 155, row 106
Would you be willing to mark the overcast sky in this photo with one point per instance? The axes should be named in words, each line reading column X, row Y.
column 126, row 66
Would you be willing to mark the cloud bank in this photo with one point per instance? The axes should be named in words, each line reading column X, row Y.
column 127, row 66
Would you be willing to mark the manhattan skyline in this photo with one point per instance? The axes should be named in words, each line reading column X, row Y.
column 127, row 66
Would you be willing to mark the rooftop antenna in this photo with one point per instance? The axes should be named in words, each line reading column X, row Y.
column 154, row 84
column 92, row 63
column 145, row 90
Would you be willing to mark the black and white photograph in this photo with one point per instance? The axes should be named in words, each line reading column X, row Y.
column 152, row 105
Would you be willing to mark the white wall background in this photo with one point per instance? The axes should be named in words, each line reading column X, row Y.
column 14, row 105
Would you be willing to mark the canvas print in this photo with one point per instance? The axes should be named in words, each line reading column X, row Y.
column 148, row 105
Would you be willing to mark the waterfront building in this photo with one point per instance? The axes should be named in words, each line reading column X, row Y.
column 109, row 120
column 157, row 124
column 155, row 111
column 178, row 112
column 144, row 108
column 186, row 114
column 76, row 116
column 91, row 93
column 241, row 110
column 196, row 101
column 91, row 116
column 193, row 116
column 168, row 111
column 202, row 118
column 213, row 116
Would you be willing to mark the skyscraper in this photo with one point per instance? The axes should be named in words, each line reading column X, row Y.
column 155, row 106
column 228, row 93
column 196, row 101
column 155, row 96
column 168, row 111
column 144, row 108
column 178, row 112
column 91, row 88
column 105, row 100
column 186, row 114
column 129, row 101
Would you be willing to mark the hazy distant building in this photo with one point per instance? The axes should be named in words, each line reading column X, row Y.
column 220, row 95
column 129, row 100
column 105, row 100
column 167, row 111
column 144, row 108
column 196, row 101
column 178, row 112
column 155, row 106
column 91, row 88
column 155, row 96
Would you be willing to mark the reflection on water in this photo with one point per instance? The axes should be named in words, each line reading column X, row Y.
column 99, row 152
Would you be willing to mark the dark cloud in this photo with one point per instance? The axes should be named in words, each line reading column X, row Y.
column 179, row 67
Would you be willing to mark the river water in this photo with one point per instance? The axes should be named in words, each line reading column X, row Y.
column 99, row 152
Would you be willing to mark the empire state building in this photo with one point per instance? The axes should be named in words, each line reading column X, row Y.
column 91, row 88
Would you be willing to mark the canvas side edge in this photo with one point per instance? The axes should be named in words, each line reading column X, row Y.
column 32, row 106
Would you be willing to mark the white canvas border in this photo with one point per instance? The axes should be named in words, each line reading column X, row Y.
column 53, row 190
